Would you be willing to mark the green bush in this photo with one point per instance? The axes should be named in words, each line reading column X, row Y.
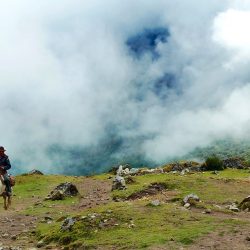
column 213, row 163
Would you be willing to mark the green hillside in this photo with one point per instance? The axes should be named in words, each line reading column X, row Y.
column 127, row 219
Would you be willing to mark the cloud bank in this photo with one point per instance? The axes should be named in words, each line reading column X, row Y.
column 153, row 78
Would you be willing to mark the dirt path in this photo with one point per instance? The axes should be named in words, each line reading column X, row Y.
column 94, row 192
column 17, row 230
column 237, row 238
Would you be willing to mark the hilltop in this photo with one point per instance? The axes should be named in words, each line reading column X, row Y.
column 149, row 214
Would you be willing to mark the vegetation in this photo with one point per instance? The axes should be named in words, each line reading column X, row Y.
column 213, row 163
column 132, row 223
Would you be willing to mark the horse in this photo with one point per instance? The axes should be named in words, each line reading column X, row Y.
column 3, row 193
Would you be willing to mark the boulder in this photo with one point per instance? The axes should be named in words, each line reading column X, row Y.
column 191, row 199
column 245, row 204
column 119, row 183
column 123, row 170
column 55, row 195
column 67, row 188
column 235, row 162
column 63, row 190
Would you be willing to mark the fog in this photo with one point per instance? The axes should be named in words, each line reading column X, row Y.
column 161, row 77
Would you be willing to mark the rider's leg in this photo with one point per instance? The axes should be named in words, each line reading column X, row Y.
column 2, row 190
column 7, row 184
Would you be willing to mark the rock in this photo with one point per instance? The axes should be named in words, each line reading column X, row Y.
column 13, row 237
column 119, row 183
column 187, row 205
column 68, row 223
column 207, row 211
column 215, row 172
column 55, row 195
column 235, row 162
column 48, row 218
column 35, row 171
column 123, row 170
column 233, row 208
column 68, row 189
column 5, row 235
column 134, row 171
column 245, row 204
column 185, row 171
column 40, row 244
column 63, row 190
column 191, row 198
column 155, row 203
column 119, row 170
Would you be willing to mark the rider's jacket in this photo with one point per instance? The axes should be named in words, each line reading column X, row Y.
column 5, row 162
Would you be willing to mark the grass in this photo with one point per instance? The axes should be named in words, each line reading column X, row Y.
column 209, row 187
column 153, row 226
column 168, row 224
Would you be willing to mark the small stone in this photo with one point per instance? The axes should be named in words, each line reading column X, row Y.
column 155, row 203
column 40, row 243
column 207, row 211
column 5, row 235
column 13, row 237
column 187, row 205
column 233, row 208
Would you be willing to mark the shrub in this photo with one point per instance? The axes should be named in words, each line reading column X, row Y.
column 213, row 163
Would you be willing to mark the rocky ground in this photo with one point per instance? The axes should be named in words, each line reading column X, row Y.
column 18, row 228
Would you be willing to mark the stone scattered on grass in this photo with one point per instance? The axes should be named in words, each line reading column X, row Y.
column 40, row 244
column 187, row 205
column 68, row 223
column 191, row 199
column 155, row 203
column 245, row 204
column 119, row 183
column 207, row 211
column 233, row 207
column 55, row 195
column 63, row 190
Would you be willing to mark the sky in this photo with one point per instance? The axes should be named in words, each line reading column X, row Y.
column 163, row 76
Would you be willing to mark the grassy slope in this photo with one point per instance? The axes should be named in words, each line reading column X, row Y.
column 167, row 224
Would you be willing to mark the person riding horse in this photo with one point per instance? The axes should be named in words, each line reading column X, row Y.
column 4, row 166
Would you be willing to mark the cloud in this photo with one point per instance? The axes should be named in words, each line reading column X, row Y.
column 68, row 80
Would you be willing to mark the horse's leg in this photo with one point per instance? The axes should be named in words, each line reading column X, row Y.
column 9, row 202
column 4, row 203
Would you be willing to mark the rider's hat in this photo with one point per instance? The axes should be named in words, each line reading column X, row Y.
column 2, row 148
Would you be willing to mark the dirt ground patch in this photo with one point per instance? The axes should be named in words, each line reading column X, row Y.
column 17, row 230
column 237, row 238
column 151, row 190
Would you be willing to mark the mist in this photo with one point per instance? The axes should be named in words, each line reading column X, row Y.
column 87, row 84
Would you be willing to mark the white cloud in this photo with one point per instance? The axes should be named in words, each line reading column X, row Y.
column 66, row 74
column 232, row 29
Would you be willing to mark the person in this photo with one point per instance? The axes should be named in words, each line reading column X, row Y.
column 4, row 166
